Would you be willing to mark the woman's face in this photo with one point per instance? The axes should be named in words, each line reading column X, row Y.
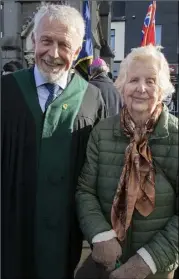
column 141, row 92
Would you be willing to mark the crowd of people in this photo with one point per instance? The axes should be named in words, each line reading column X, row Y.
column 11, row 67
column 90, row 160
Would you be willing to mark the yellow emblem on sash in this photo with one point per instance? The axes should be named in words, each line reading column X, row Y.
column 65, row 106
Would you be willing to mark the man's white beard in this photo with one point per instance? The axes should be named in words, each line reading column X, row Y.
column 52, row 78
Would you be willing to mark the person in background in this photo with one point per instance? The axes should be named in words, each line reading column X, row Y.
column 127, row 194
column 110, row 75
column 99, row 77
column 11, row 67
column 170, row 103
column 46, row 117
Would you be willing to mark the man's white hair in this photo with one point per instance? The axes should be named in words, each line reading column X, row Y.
column 67, row 15
column 147, row 53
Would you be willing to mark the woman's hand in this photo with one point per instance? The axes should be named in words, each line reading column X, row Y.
column 106, row 253
column 134, row 268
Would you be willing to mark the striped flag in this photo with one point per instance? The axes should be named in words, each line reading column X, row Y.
column 148, row 30
column 85, row 57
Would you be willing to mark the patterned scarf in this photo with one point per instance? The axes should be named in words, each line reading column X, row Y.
column 136, row 188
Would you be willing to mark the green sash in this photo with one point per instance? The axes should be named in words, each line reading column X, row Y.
column 54, row 135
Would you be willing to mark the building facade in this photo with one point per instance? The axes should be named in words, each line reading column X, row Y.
column 17, row 25
column 127, row 18
column 16, row 28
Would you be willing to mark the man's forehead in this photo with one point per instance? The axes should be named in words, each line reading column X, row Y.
column 53, row 25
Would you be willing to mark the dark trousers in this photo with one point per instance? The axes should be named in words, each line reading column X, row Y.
column 91, row 270
column 176, row 275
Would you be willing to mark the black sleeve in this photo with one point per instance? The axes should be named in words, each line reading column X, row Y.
column 101, row 113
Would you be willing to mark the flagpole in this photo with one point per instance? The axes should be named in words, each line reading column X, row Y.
column 148, row 30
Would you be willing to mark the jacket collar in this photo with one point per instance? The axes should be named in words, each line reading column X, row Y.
column 101, row 77
column 160, row 131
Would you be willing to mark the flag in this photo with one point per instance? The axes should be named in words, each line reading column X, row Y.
column 85, row 57
column 148, row 30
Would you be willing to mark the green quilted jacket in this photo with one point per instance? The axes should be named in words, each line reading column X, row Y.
column 157, row 233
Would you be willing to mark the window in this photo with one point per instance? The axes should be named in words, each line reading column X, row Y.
column 118, row 39
column 118, row 10
column 116, row 68
column 174, row 103
column 2, row 18
column 158, row 34
column 113, row 39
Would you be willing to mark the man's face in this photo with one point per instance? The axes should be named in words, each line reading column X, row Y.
column 56, row 47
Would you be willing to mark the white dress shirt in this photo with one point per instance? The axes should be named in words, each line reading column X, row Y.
column 42, row 91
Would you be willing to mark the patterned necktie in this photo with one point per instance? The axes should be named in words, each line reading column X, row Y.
column 52, row 88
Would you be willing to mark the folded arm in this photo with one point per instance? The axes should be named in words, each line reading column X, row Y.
column 92, row 220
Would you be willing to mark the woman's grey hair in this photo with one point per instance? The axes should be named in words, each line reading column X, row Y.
column 67, row 15
column 147, row 53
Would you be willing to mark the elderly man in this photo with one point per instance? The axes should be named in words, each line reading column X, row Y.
column 47, row 115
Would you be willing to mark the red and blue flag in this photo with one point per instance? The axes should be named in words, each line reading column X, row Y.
column 148, row 30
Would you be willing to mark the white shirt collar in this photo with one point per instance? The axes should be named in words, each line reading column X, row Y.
column 40, row 79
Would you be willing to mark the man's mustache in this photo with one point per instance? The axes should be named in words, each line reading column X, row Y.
column 57, row 61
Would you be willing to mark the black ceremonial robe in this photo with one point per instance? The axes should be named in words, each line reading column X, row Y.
column 42, row 155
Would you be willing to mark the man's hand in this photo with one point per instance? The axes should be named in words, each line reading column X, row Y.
column 134, row 268
column 106, row 253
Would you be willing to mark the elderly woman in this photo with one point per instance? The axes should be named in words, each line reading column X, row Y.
column 127, row 191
